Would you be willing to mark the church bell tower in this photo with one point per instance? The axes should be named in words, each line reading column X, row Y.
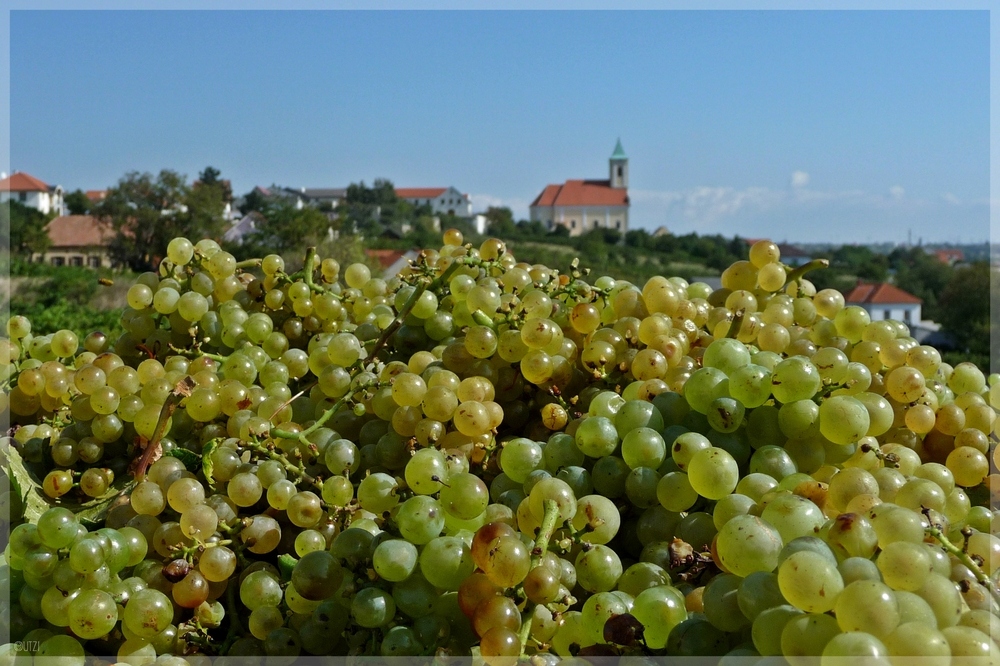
column 618, row 165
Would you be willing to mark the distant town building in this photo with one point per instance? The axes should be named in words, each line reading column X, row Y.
column 96, row 196
column 392, row 261
column 886, row 301
column 242, row 228
column 442, row 200
column 661, row 232
column 583, row 205
column 77, row 240
column 950, row 255
column 32, row 192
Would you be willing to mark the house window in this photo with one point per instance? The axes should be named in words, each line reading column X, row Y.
column 618, row 224
column 58, row 261
column 22, row 196
column 887, row 314
column 906, row 314
column 76, row 261
column 572, row 224
column 95, row 262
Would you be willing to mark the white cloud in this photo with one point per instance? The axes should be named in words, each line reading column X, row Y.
column 480, row 202
column 705, row 204
column 897, row 192
column 800, row 179
column 951, row 198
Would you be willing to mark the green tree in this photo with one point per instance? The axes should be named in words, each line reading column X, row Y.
column 500, row 221
column 638, row 238
column 287, row 228
column 921, row 275
column 254, row 200
column 146, row 212
column 379, row 203
column 210, row 177
column 22, row 229
column 77, row 203
column 964, row 310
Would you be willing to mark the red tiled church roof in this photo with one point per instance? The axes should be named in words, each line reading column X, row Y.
column 880, row 293
column 22, row 182
column 582, row 193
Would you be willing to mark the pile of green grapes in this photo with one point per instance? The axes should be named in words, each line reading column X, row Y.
column 486, row 458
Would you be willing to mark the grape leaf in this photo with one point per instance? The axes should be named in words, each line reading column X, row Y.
column 26, row 481
column 191, row 460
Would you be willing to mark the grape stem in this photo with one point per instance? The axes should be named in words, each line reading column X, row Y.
column 797, row 273
column 327, row 415
column 541, row 546
column 309, row 269
column 298, row 470
column 249, row 263
column 198, row 353
column 408, row 306
column 549, row 521
column 153, row 450
column 232, row 612
column 736, row 324
column 965, row 559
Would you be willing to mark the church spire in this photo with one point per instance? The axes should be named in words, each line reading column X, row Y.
column 618, row 168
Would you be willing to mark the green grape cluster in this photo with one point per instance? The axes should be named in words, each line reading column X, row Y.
column 481, row 457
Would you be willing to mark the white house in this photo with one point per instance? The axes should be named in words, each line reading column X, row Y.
column 31, row 192
column 442, row 200
column 886, row 301
column 584, row 205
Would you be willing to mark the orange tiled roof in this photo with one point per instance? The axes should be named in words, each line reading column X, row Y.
column 880, row 293
column 78, row 231
column 949, row 255
column 420, row 192
column 97, row 195
column 582, row 193
column 22, row 182
column 385, row 258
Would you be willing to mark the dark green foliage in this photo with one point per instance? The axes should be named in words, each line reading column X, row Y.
column 254, row 200
column 146, row 212
column 77, row 203
column 284, row 229
column 22, row 229
column 964, row 306
column 500, row 221
column 60, row 297
column 921, row 274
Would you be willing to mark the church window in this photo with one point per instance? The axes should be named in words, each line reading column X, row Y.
column 619, row 172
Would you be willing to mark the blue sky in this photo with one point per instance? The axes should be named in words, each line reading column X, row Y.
column 805, row 126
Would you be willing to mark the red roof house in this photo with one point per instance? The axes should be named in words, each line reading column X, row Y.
column 32, row 192
column 885, row 301
column 78, row 240
column 442, row 200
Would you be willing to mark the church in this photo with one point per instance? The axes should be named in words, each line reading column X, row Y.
column 584, row 205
